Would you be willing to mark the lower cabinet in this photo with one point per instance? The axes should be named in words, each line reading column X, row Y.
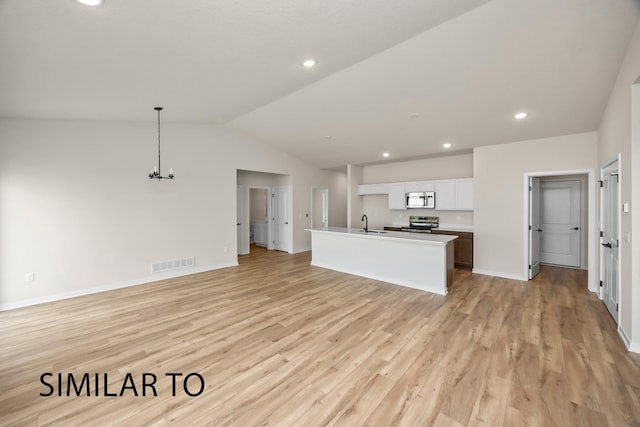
column 462, row 247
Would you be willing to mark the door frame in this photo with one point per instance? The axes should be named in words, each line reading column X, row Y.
column 581, row 181
column 592, row 241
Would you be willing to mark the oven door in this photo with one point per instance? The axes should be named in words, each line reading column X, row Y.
column 415, row 200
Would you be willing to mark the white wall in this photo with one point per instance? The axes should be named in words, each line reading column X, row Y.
column 445, row 167
column 336, row 183
column 77, row 208
column 257, row 204
column 499, row 194
column 377, row 206
column 615, row 136
column 354, row 204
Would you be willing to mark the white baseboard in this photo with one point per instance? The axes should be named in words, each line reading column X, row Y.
column 110, row 287
column 301, row 249
column 499, row 274
column 631, row 346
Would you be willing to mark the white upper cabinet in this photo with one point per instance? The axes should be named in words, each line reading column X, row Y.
column 420, row 186
column 451, row 194
column 397, row 199
column 464, row 194
column 446, row 195
column 368, row 189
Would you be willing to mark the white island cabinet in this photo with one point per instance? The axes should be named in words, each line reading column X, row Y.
column 421, row 261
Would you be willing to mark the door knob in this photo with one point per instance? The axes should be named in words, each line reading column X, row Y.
column 286, row 223
column 576, row 228
column 539, row 229
column 607, row 245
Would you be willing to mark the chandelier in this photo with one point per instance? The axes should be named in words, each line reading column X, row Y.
column 157, row 171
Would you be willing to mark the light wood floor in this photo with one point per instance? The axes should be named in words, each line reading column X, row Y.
column 282, row 343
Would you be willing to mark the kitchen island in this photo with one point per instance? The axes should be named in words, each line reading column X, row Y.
column 421, row 261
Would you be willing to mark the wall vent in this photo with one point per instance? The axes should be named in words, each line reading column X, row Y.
column 172, row 264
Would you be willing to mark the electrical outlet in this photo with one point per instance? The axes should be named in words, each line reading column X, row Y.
column 29, row 277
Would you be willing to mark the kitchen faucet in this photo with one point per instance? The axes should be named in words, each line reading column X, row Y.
column 366, row 223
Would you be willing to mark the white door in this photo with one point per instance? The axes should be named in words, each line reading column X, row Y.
column 534, row 227
column 610, row 238
column 560, row 223
column 239, row 219
column 325, row 207
column 319, row 207
column 280, row 218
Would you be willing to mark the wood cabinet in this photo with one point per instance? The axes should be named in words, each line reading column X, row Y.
column 463, row 247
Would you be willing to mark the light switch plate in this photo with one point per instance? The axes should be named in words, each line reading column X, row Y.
column 625, row 207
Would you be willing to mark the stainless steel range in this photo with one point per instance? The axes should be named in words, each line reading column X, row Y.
column 422, row 224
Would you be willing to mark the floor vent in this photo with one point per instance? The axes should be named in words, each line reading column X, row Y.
column 172, row 264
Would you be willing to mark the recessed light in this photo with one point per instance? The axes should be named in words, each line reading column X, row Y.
column 309, row 63
column 385, row 154
column 90, row 2
column 520, row 116
column 447, row 145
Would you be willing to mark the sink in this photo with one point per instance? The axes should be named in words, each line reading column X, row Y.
column 372, row 231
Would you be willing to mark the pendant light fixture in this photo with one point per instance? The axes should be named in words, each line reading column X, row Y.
column 157, row 171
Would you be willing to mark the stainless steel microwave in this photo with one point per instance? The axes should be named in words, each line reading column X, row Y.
column 421, row 200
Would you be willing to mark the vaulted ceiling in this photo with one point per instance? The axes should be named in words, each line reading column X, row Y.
column 402, row 77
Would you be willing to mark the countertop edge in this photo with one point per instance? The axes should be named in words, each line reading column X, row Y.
column 441, row 239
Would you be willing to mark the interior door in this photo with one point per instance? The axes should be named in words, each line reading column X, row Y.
column 610, row 238
column 280, row 218
column 534, row 227
column 319, row 207
column 239, row 219
column 560, row 239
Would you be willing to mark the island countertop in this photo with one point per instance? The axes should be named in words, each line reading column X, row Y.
column 440, row 239
column 419, row 260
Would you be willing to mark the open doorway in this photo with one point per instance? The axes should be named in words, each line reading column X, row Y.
column 560, row 221
column 264, row 215
column 259, row 224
